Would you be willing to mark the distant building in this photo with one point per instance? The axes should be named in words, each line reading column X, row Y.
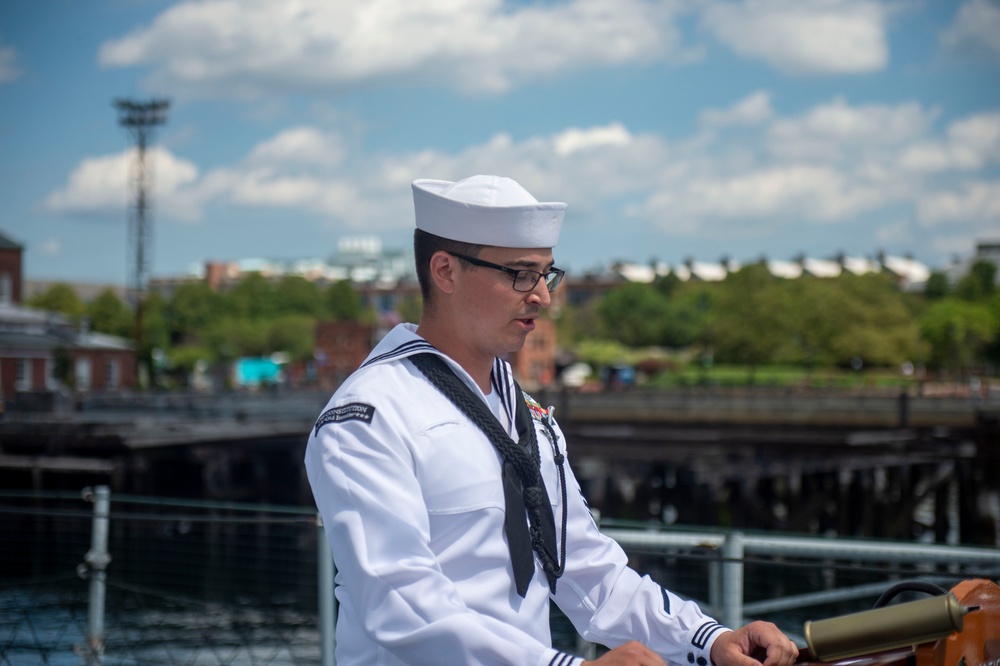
column 10, row 271
column 859, row 265
column 36, row 347
column 820, row 268
column 985, row 251
column 790, row 270
column 85, row 291
column 341, row 348
column 910, row 274
column 387, row 296
column 582, row 289
column 704, row 271
column 534, row 365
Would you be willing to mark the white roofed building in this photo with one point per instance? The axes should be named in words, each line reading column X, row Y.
column 790, row 270
column 911, row 274
column 707, row 271
column 859, row 265
column 821, row 268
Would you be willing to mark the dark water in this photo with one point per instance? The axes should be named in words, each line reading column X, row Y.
column 190, row 587
column 214, row 586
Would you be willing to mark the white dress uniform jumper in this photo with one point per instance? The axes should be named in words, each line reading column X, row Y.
column 411, row 492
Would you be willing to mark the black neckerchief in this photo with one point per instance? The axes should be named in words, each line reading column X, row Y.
column 524, row 490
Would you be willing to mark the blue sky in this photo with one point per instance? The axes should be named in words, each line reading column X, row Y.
column 674, row 129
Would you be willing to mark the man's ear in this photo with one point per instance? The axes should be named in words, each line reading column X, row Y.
column 444, row 268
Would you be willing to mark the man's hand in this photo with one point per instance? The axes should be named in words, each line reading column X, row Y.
column 755, row 644
column 630, row 654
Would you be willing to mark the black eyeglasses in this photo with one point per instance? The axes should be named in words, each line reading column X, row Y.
column 524, row 280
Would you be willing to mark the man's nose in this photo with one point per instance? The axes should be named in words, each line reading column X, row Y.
column 540, row 294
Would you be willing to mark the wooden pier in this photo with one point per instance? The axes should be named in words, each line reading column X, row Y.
column 884, row 466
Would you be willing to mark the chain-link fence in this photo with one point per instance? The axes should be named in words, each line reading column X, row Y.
column 187, row 583
column 210, row 583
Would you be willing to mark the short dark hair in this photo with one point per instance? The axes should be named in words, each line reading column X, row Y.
column 424, row 246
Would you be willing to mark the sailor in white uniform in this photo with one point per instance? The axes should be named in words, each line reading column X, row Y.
column 452, row 512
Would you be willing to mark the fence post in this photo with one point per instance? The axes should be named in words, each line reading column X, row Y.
column 97, row 560
column 715, row 584
column 327, row 602
column 732, row 580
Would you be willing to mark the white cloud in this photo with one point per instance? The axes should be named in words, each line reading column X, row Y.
column 9, row 70
column 970, row 143
column 304, row 145
column 223, row 47
column 573, row 140
column 835, row 129
column 975, row 204
column 50, row 247
column 100, row 184
column 767, row 195
column 975, row 30
column 723, row 187
column 804, row 37
column 751, row 110
column 898, row 232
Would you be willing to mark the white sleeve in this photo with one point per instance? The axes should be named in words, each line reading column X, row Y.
column 610, row 604
column 363, row 480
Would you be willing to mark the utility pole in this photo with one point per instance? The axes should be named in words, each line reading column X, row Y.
column 139, row 119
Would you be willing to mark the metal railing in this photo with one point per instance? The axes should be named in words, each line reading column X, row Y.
column 726, row 569
column 735, row 576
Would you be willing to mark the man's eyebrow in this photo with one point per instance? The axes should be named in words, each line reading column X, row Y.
column 532, row 265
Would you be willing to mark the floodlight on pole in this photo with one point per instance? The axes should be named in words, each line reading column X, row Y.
column 139, row 119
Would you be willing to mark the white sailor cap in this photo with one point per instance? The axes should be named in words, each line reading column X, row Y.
column 486, row 210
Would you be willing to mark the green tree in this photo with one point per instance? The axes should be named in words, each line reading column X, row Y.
column 296, row 295
column 191, row 310
column 233, row 337
column 687, row 314
column 875, row 322
column 750, row 323
column 155, row 337
column 156, row 333
column 410, row 309
column 294, row 334
column 937, row 286
column 577, row 323
column 60, row 298
column 817, row 311
column 978, row 285
column 601, row 353
column 183, row 360
column 993, row 348
column 634, row 315
column 253, row 297
column 109, row 314
column 668, row 284
column 342, row 302
column 958, row 333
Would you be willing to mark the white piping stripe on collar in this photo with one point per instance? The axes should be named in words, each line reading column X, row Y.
column 405, row 349
column 504, row 382
column 500, row 378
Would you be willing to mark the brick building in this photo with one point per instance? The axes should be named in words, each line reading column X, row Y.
column 534, row 365
column 341, row 347
column 10, row 271
column 38, row 347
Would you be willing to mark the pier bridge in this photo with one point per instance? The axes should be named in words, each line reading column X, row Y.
column 869, row 465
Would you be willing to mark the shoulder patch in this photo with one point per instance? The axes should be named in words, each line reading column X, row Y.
column 352, row 411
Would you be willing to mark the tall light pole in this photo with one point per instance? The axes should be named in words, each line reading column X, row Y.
column 139, row 119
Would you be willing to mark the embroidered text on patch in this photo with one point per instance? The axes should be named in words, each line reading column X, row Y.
column 353, row 411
